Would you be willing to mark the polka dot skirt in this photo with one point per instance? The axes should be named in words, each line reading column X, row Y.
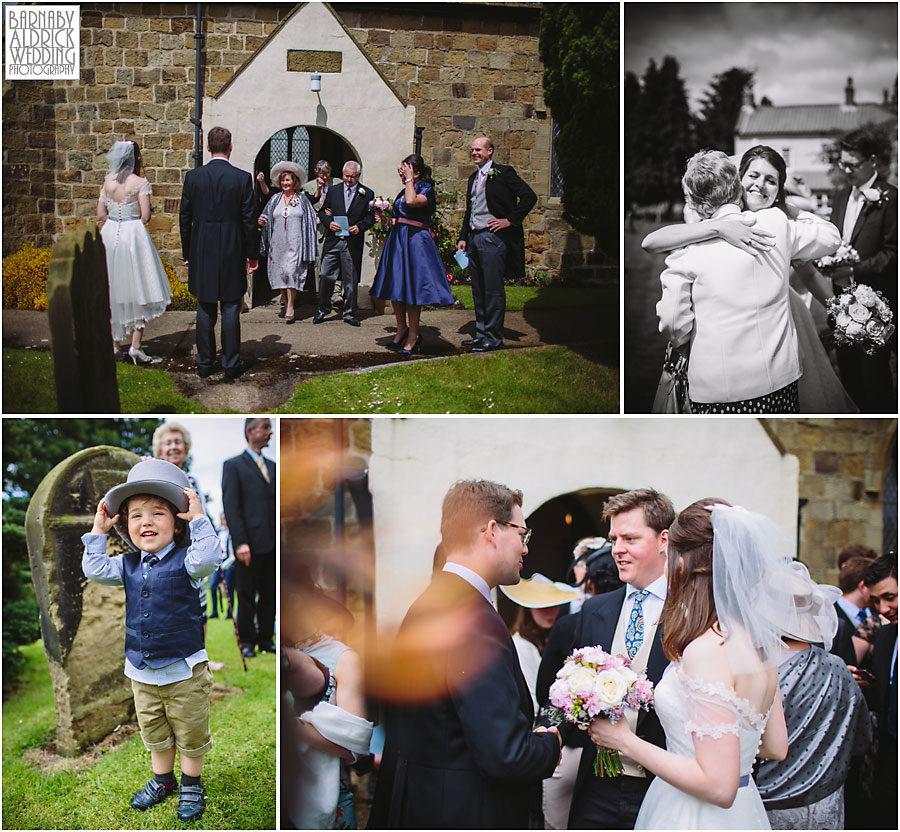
column 784, row 400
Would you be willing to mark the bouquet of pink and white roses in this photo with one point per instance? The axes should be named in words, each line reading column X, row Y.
column 846, row 255
column 593, row 683
column 382, row 207
column 861, row 316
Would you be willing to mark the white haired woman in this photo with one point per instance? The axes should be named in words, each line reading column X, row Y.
column 289, row 235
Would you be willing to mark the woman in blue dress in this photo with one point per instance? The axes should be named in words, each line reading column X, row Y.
column 411, row 274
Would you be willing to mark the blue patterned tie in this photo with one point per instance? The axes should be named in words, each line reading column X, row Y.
column 634, row 634
column 862, row 615
column 149, row 562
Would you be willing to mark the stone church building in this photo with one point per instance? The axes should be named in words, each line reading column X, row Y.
column 393, row 76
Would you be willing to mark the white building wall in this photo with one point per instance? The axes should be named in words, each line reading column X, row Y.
column 414, row 462
column 356, row 103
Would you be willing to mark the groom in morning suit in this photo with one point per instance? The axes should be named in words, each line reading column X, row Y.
column 219, row 243
column 460, row 751
column 497, row 201
column 624, row 622
column 870, row 226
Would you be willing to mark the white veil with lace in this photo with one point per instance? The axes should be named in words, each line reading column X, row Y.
column 752, row 586
column 120, row 161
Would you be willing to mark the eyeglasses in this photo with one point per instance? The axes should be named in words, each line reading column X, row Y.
column 849, row 167
column 525, row 537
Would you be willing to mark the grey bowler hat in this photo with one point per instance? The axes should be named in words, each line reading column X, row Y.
column 152, row 476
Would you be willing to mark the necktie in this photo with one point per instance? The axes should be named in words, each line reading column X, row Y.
column 481, row 177
column 347, row 197
column 862, row 615
column 147, row 565
column 634, row 634
column 262, row 468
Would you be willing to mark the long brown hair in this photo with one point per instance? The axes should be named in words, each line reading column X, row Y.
column 528, row 628
column 689, row 610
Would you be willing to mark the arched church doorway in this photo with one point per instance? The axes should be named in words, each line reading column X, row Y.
column 304, row 144
column 558, row 525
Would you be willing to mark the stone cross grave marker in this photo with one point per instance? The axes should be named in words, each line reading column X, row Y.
column 82, row 622
column 78, row 313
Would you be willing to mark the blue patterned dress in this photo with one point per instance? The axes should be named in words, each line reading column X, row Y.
column 411, row 270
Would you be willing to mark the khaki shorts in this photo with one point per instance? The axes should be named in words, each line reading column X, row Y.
column 176, row 714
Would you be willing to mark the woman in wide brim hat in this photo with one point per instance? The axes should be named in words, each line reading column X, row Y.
column 288, row 240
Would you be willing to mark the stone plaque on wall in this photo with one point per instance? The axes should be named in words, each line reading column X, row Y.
column 312, row 60
column 82, row 623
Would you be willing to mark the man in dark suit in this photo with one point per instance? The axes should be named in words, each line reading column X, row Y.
column 342, row 256
column 219, row 244
column 882, row 694
column 497, row 201
column 866, row 214
column 248, row 495
column 639, row 532
column 460, row 753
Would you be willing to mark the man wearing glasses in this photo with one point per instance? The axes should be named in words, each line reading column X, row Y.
column 460, row 751
column 865, row 211
column 624, row 622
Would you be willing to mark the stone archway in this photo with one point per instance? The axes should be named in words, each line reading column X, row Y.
column 355, row 102
column 304, row 144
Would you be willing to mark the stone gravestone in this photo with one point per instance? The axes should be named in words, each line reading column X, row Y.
column 82, row 622
column 78, row 313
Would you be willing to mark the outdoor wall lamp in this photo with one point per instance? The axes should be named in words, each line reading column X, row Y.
column 315, row 82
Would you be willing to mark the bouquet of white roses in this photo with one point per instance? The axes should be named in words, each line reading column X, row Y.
column 593, row 683
column 846, row 255
column 861, row 316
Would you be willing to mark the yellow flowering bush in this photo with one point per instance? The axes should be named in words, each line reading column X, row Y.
column 182, row 299
column 25, row 278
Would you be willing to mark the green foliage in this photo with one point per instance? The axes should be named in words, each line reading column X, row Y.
column 720, row 109
column 550, row 380
column 579, row 48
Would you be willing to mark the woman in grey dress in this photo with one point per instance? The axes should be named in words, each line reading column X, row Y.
column 289, row 235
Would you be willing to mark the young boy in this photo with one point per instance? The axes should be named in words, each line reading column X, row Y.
column 158, row 515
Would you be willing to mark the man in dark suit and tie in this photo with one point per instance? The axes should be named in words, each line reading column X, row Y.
column 342, row 255
column 865, row 213
column 639, row 533
column 497, row 201
column 460, row 752
column 882, row 694
column 248, row 495
column 219, row 244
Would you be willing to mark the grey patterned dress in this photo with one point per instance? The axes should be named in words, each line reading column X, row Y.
column 289, row 241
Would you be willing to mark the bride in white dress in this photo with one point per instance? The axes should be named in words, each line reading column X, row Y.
column 727, row 605
column 138, row 286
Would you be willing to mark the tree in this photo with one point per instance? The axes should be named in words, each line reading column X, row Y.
column 579, row 48
column 31, row 448
column 720, row 108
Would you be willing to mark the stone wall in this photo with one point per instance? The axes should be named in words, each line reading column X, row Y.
column 467, row 69
column 842, row 467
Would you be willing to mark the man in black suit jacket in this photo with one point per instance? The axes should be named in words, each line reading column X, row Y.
column 639, row 533
column 461, row 752
column 248, row 495
column 497, row 201
column 342, row 256
column 873, row 201
column 219, row 244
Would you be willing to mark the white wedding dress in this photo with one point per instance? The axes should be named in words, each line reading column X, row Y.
column 138, row 286
column 688, row 706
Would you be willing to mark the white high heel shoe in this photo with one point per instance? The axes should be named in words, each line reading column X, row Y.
column 138, row 355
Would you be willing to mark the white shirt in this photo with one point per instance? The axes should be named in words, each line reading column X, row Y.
column 850, row 609
column 854, row 207
column 470, row 577
column 653, row 603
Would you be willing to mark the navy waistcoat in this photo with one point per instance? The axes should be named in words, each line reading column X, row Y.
column 163, row 622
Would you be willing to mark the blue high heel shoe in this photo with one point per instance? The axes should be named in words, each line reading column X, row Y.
column 397, row 346
column 415, row 348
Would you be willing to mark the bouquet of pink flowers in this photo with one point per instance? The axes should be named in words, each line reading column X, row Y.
column 593, row 683
column 861, row 316
column 846, row 255
column 382, row 208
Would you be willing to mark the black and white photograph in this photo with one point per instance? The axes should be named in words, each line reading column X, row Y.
column 760, row 242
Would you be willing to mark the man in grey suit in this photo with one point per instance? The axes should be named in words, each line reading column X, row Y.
column 219, row 244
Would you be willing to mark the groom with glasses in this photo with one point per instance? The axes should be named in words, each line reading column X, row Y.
column 865, row 212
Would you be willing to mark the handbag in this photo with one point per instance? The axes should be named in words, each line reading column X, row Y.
column 672, row 395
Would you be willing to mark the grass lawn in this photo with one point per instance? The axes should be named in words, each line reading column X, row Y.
column 239, row 771
column 546, row 297
column 29, row 386
column 551, row 380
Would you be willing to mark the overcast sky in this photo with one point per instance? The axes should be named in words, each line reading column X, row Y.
column 801, row 53
column 213, row 440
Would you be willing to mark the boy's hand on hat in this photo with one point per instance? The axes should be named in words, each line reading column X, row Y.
column 102, row 521
column 195, row 509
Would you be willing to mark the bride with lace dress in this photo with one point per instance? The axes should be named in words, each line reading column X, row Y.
column 138, row 286
column 728, row 604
